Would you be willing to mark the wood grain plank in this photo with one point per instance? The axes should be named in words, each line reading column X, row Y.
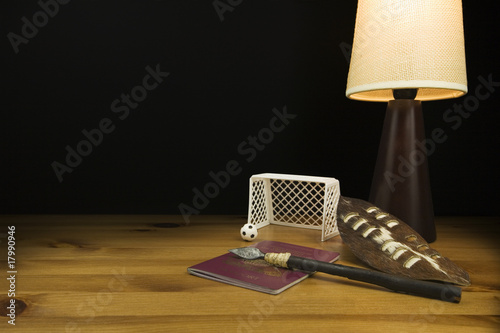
column 257, row 322
column 102, row 273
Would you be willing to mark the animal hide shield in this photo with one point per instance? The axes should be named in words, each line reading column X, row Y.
column 388, row 244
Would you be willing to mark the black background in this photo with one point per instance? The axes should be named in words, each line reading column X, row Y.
column 225, row 79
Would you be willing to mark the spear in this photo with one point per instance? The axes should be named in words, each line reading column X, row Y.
column 440, row 291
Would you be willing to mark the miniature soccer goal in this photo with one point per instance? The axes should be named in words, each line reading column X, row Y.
column 293, row 200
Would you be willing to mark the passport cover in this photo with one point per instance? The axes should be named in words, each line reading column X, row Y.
column 258, row 274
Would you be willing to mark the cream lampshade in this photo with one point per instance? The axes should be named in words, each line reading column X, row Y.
column 407, row 44
column 405, row 52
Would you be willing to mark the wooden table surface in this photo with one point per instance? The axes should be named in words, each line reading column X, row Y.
column 117, row 273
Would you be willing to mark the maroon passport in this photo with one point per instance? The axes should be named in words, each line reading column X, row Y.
column 258, row 274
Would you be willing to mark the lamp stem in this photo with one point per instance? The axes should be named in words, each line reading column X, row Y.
column 400, row 182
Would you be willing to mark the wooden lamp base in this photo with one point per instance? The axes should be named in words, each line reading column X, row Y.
column 400, row 182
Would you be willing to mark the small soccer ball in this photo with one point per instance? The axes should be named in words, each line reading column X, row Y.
column 249, row 232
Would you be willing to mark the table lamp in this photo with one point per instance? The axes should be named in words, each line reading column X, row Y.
column 405, row 52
